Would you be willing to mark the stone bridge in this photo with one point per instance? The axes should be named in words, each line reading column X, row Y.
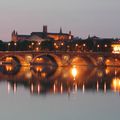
column 60, row 58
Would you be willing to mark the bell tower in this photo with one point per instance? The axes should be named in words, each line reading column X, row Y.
column 14, row 36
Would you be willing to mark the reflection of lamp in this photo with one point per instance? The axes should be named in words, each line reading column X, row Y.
column 83, row 88
column 74, row 72
column 116, row 84
column 9, row 68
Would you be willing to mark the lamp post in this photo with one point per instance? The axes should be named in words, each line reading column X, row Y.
column 98, row 46
column 32, row 45
column 15, row 44
column 8, row 46
column 76, row 46
column 84, row 46
column 105, row 47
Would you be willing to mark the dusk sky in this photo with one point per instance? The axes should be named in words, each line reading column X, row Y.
column 82, row 17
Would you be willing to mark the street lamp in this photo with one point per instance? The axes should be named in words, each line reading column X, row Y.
column 37, row 49
column 15, row 44
column 8, row 45
column 76, row 46
column 32, row 45
column 84, row 46
column 98, row 46
column 62, row 43
column 105, row 47
column 39, row 43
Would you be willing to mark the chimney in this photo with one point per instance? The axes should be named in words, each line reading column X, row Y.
column 45, row 28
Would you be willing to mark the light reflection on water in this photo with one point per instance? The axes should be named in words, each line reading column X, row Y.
column 51, row 80
column 67, row 93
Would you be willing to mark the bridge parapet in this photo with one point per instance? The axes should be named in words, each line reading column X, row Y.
column 63, row 58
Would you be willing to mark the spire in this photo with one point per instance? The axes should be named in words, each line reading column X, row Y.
column 89, row 36
column 44, row 28
column 16, row 33
column 13, row 33
column 60, row 30
column 70, row 32
column 14, row 36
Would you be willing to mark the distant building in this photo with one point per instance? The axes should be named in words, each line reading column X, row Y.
column 40, row 36
column 116, row 47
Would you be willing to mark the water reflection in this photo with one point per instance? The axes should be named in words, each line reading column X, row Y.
column 40, row 79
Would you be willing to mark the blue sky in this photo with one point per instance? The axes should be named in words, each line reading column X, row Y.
column 82, row 17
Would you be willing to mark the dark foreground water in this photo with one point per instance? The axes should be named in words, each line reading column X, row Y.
column 66, row 93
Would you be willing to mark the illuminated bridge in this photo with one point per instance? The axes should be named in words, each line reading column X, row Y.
column 61, row 58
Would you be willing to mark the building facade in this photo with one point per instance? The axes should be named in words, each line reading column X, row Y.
column 41, row 36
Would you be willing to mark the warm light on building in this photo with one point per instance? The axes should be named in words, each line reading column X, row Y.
column 9, row 59
column 116, row 48
column 39, row 59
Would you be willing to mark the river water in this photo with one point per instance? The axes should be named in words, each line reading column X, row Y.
column 63, row 93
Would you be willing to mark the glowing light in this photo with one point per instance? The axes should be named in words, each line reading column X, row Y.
column 76, row 45
column 97, row 86
column 9, row 59
column 43, row 75
column 70, row 37
column 61, row 88
column 62, row 44
column 84, row 45
column 76, row 88
column 55, row 44
column 8, row 87
column 39, row 59
column 38, row 88
column 105, row 87
column 32, row 88
column 74, row 72
column 28, row 74
column 9, row 68
column 116, row 48
column 15, row 44
column 28, row 58
column 83, row 88
column 116, row 84
column 8, row 44
column 105, row 45
column 38, row 68
column 37, row 49
column 54, row 88
column 15, row 88
column 107, row 71
column 98, row 46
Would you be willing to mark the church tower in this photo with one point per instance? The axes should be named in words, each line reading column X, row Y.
column 60, row 30
column 14, row 36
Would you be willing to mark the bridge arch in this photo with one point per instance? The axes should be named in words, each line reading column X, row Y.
column 110, row 61
column 16, row 58
column 83, row 60
column 52, row 57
